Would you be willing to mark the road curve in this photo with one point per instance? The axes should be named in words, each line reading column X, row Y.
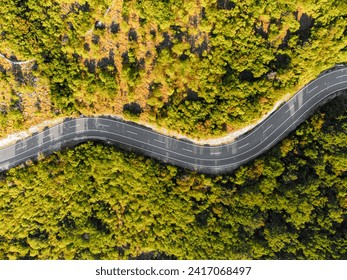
column 206, row 159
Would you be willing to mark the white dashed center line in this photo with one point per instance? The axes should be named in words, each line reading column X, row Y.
column 243, row 146
column 341, row 76
column 290, row 108
column 313, row 89
column 267, row 128
column 131, row 132
column 162, row 142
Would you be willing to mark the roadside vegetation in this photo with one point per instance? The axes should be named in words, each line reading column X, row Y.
column 98, row 202
column 202, row 68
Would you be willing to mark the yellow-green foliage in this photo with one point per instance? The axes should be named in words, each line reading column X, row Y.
column 95, row 202
column 216, row 65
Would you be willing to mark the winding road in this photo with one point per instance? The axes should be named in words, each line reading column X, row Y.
column 206, row 159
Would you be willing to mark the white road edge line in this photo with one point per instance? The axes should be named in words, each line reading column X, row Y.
column 188, row 143
column 73, row 126
column 116, row 122
column 205, row 166
column 49, row 135
column 199, row 165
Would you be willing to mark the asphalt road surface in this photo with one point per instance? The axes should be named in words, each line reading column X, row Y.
column 206, row 159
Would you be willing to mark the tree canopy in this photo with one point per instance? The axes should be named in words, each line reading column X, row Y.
column 98, row 202
column 202, row 68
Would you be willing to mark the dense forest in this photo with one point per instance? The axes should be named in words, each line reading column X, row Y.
column 203, row 68
column 98, row 202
